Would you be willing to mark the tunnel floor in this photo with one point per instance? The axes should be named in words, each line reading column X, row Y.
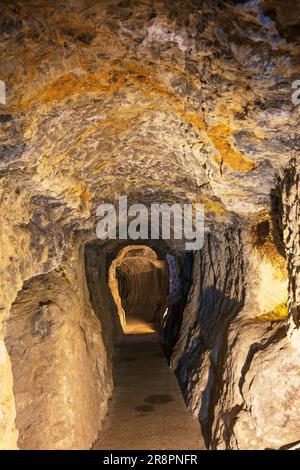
column 147, row 410
column 137, row 326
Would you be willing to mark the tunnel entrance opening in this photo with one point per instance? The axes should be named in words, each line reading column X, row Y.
column 139, row 284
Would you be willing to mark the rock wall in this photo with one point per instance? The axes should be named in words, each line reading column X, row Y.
column 59, row 366
column 35, row 242
column 215, row 297
column 291, row 223
column 236, row 356
column 96, row 268
column 61, row 376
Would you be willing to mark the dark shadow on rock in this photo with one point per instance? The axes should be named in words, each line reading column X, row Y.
column 277, row 216
column 219, row 300
column 174, row 318
column 159, row 399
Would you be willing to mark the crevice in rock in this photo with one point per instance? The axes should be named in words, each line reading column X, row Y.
column 279, row 334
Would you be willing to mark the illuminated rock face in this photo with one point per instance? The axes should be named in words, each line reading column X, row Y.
column 239, row 369
column 182, row 101
column 143, row 286
column 55, row 346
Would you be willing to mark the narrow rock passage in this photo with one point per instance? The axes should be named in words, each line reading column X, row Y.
column 147, row 409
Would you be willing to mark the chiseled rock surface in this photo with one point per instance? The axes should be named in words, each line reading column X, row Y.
column 259, row 401
column 59, row 366
column 240, row 371
column 160, row 100
column 291, row 221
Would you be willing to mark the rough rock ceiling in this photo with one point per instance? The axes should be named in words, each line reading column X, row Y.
column 159, row 100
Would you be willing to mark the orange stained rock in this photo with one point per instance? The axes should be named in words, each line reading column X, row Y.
column 193, row 118
column 236, row 161
column 105, row 81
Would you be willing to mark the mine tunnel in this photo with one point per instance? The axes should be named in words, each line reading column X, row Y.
column 118, row 342
column 142, row 285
